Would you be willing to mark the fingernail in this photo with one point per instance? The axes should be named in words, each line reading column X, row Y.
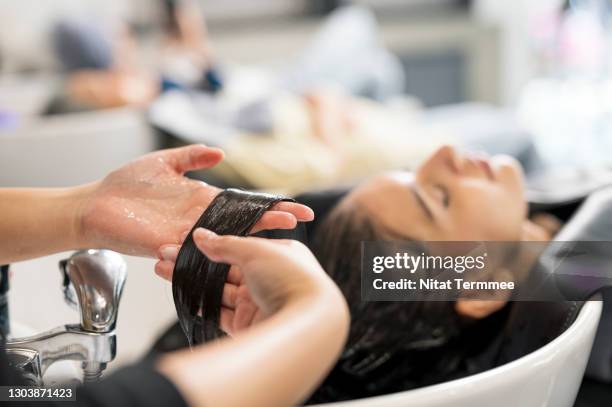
column 310, row 216
column 169, row 252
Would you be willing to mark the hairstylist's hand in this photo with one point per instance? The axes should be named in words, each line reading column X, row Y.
column 280, row 361
column 149, row 203
column 265, row 275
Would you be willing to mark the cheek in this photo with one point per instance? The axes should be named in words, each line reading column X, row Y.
column 485, row 212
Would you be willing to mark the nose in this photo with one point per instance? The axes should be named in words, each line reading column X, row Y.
column 447, row 162
column 441, row 164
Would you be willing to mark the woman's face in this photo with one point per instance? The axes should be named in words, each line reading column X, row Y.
column 451, row 197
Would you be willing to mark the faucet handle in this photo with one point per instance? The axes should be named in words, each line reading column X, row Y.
column 94, row 280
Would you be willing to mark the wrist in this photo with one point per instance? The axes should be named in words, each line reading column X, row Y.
column 327, row 303
column 76, row 203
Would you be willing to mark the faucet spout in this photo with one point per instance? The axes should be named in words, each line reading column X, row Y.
column 93, row 281
column 96, row 278
column 67, row 342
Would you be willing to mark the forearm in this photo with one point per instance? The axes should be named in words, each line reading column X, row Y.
column 38, row 221
column 277, row 363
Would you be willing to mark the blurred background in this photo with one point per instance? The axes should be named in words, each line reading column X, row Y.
column 360, row 85
column 301, row 94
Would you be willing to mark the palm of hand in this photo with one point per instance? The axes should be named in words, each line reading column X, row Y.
column 144, row 205
column 148, row 205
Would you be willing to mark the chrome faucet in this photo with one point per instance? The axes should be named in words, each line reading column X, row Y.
column 93, row 281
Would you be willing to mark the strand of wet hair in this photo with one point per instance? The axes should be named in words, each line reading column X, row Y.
column 197, row 282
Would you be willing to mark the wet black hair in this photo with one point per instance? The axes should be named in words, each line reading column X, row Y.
column 197, row 282
column 392, row 345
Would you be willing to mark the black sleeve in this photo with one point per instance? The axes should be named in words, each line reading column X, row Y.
column 134, row 386
column 137, row 385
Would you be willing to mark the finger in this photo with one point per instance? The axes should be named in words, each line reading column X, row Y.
column 192, row 157
column 275, row 220
column 228, row 249
column 226, row 321
column 234, row 276
column 302, row 212
column 168, row 252
column 164, row 269
column 244, row 316
column 229, row 296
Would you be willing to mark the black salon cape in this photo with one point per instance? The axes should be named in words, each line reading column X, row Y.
column 133, row 386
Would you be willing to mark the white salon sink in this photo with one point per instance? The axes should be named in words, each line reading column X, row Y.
column 548, row 377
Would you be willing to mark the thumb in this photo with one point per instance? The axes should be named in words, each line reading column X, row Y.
column 233, row 250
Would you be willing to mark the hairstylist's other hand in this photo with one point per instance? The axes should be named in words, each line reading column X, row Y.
column 281, row 360
column 149, row 203
column 265, row 275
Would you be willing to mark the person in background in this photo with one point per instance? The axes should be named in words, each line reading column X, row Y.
column 104, row 69
column 101, row 68
column 187, row 59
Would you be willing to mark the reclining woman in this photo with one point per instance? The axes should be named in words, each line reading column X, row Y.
column 451, row 197
column 396, row 346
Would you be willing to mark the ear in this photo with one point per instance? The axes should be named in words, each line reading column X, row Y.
column 478, row 309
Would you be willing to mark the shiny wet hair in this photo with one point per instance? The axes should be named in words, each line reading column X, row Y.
column 197, row 282
column 392, row 346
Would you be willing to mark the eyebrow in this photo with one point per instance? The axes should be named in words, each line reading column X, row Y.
column 421, row 202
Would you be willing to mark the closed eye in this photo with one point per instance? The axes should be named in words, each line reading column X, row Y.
column 421, row 202
column 444, row 195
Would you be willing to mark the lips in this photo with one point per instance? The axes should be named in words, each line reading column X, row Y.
column 484, row 164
